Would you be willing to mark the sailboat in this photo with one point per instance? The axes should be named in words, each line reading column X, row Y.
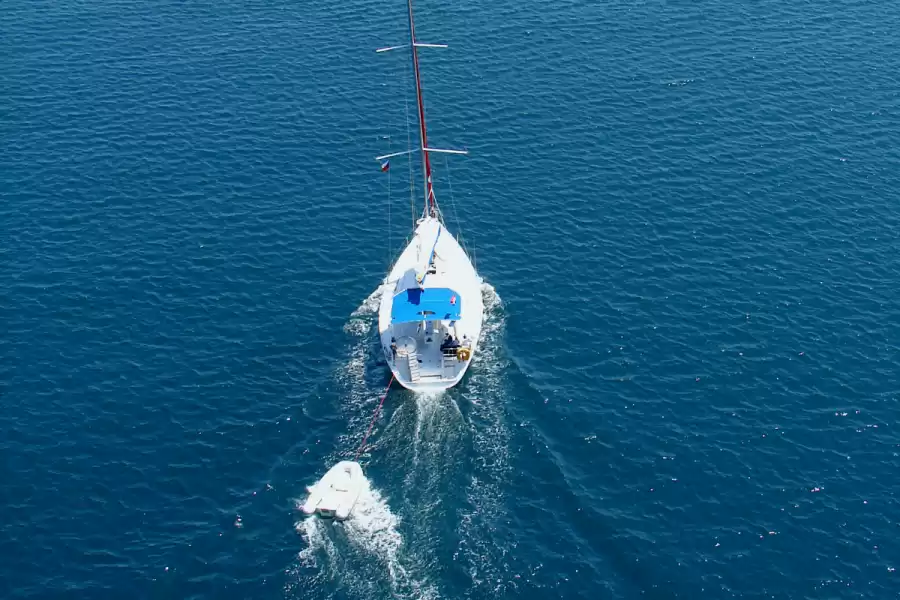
column 431, row 310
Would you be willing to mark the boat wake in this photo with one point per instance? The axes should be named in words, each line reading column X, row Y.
column 449, row 454
column 360, row 381
column 363, row 554
column 452, row 449
column 361, row 320
column 487, row 393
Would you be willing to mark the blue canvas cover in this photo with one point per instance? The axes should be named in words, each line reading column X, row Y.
column 429, row 304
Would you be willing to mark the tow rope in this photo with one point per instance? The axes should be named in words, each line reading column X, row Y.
column 374, row 417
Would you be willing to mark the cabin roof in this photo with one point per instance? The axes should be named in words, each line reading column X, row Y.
column 428, row 304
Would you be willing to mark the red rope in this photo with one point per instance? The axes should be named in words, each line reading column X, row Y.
column 374, row 417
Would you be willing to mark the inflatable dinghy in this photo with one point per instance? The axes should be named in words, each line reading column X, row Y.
column 335, row 495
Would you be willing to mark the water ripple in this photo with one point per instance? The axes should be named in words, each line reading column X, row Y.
column 688, row 212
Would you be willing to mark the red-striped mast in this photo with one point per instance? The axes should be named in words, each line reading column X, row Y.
column 423, row 135
column 431, row 208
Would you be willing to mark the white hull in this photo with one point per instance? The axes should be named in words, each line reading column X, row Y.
column 413, row 348
column 431, row 309
column 335, row 495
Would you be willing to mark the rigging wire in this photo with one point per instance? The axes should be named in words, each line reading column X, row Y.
column 412, row 181
column 390, row 228
column 452, row 200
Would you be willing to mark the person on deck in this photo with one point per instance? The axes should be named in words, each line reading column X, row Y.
column 446, row 343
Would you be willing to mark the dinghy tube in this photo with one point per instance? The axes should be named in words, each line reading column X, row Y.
column 335, row 495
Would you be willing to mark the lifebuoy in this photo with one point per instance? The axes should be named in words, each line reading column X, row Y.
column 463, row 354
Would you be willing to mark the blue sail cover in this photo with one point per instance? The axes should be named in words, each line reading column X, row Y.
column 430, row 304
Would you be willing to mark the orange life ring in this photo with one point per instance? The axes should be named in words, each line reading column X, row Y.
column 463, row 354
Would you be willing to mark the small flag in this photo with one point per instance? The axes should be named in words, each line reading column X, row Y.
column 385, row 166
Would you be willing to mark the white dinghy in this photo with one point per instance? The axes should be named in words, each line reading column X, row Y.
column 335, row 495
column 431, row 310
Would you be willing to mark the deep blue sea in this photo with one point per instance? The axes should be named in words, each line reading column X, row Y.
column 686, row 215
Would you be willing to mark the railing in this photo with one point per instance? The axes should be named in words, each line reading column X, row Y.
column 451, row 351
column 449, row 365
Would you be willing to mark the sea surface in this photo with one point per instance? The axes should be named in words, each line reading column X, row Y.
column 686, row 215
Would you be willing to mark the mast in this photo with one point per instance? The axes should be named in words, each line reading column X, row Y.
column 431, row 208
column 423, row 135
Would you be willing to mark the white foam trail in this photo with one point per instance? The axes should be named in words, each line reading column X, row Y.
column 361, row 317
column 374, row 529
column 487, row 391
column 346, row 551
column 367, row 551
column 350, row 377
column 437, row 415
column 437, row 431
column 491, row 299
column 437, row 441
column 344, row 555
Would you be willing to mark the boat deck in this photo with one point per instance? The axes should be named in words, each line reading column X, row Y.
column 419, row 355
